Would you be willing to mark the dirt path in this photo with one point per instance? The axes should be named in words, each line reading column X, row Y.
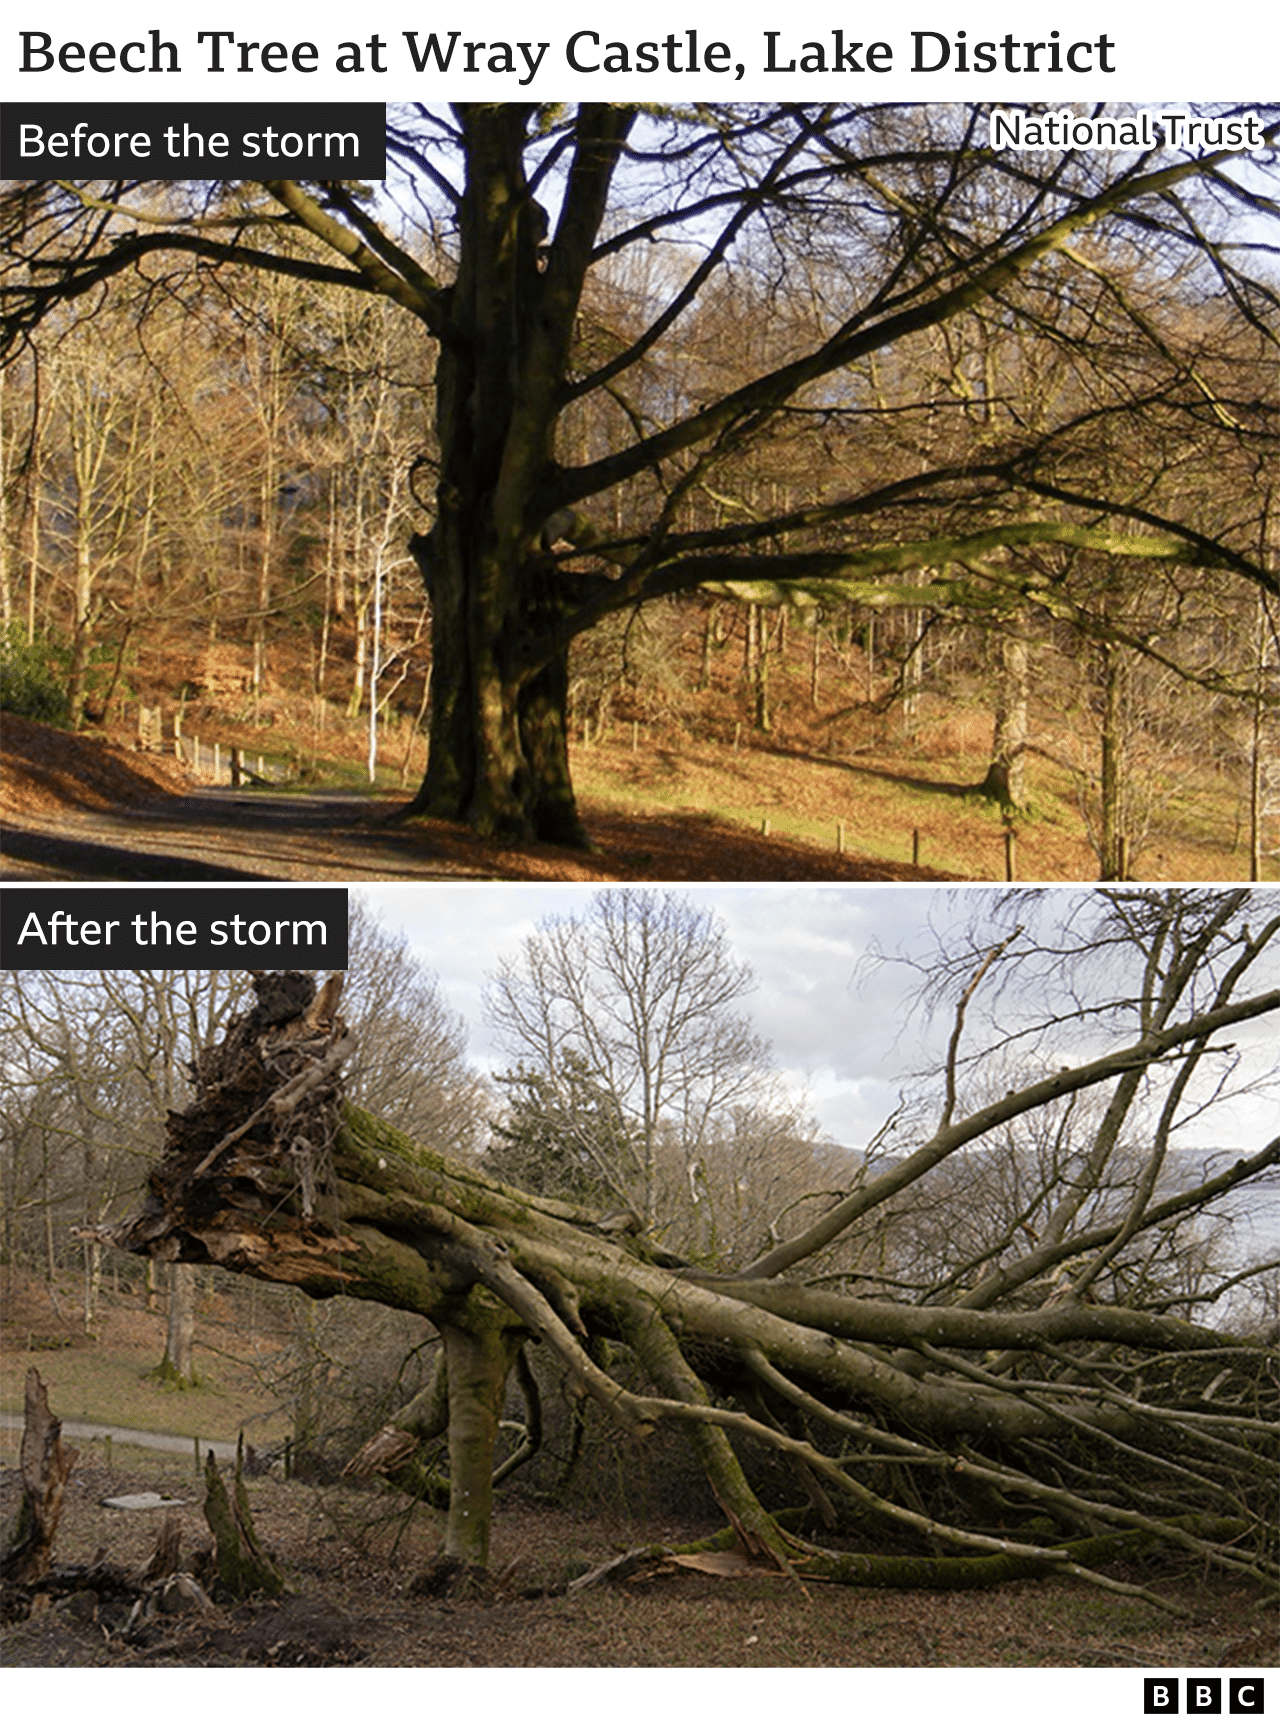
column 335, row 836
column 229, row 835
column 82, row 808
column 129, row 829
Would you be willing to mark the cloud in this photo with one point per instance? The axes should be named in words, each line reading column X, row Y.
column 842, row 1027
column 831, row 1029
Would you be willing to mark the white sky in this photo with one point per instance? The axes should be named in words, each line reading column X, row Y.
column 839, row 1029
column 803, row 943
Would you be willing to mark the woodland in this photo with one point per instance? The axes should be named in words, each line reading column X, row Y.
column 1028, row 1330
column 475, row 444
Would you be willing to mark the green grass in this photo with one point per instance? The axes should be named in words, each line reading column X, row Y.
column 111, row 1386
column 325, row 773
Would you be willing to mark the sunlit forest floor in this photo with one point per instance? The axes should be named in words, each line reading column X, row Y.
column 659, row 804
column 675, row 781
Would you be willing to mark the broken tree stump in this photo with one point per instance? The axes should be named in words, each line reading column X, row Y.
column 27, row 1552
column 244, row 1565
column 164, row 1560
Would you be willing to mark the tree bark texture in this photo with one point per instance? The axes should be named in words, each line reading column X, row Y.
column 178, row 1365
column 499, row 748
column 1005, row 781
column 245, row 1567
column 45, row 1466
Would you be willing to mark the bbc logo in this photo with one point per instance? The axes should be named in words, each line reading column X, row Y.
column 1204, row 1695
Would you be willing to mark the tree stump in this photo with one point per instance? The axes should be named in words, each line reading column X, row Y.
column 27, row 1551
column 244, row 1565
column 164, row 1560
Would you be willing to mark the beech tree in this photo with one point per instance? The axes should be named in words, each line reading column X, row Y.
column 562, row 478
column 1019, row 1429
column 98, row 1059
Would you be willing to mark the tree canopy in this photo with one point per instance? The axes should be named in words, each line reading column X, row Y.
column 780, row 351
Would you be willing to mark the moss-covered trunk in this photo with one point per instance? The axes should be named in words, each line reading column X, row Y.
column 245, row 1566
column 479, row 1361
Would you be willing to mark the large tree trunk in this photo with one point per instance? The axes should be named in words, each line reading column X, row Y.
column 499, row 753
column 178, row 1365
column 1005, row 781
column 379, row 1217
column 478, row 1360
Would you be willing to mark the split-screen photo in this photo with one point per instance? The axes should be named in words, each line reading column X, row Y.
column 640, row 827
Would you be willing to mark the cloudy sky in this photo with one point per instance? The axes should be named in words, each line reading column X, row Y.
column 840, row 1027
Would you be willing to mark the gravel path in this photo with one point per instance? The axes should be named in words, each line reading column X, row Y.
column 228, row 836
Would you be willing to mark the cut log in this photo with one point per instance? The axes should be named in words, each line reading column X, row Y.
column 45, row 1465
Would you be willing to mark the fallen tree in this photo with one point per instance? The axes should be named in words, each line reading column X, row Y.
column 1018, row 1431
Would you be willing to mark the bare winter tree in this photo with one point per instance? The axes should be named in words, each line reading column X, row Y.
column 948, row 1415
column 567, row 451
column 98, row 1060
column 637, row 996
column 413, row 1069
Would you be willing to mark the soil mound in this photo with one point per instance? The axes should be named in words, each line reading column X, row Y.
column 43, row 769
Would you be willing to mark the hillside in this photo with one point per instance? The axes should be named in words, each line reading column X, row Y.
column 675, row 781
